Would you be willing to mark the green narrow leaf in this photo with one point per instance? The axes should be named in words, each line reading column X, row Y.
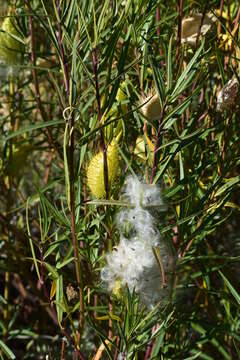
column 81, row 158
column 69, row 14
column 31, row 242
column 121, row 64
column 172, row 152
column 53, row 272
column 50, row 32
column 73, row 77
column 81, row 16
column 196, row 356
column 220, row 66
column 204, row 334
column 66, row 170
column 56, row 213
column 157, row 77
column 169, row 66
column 184, row 76
column 228, row 185
column 129, row 166
column 51, row 248
column 176, row 113
column 30, row 128
column 230, row 287
column 110, row 203
column 202, row 355
column 181, row 167
column 7, row 351
column 95, row 28
column 65, row 262
column 100, row 24
column 59, row 298
column 157, row 345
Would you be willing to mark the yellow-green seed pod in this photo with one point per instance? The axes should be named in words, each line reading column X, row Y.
column 151, row 108
column 140, row 148
column 18, row 161
column 95, row 171
column 118, row 290
column 109, row 129
column 121, row 93
column 115, row 127
column 10, row 47
column 121, row 97
column 144, row 149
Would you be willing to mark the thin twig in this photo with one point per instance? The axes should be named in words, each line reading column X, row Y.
column 62, row 350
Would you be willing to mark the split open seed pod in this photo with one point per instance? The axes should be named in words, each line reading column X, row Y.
column 150, row 106
column 191, row 25
column 144, row 149
column 95, row 171
column 228, row 95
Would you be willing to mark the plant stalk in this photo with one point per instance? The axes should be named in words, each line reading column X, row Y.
column 156, row 145
column 72, row 190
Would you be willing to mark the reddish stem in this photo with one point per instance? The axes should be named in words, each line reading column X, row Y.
column 148, row 351
column 201, row 24
column 72, row 190
column 158, row 32
column 156, row 145
column 179, row 31
column 116, row 350
column 236, row 22
column 220, row 14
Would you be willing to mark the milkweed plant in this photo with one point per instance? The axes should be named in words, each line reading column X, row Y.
column 119, row 179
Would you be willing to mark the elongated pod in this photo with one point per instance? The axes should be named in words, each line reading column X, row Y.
column 95, row 171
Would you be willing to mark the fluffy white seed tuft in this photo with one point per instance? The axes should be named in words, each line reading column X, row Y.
column 133, row 261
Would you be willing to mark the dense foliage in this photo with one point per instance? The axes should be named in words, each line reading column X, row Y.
column 91, row 92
